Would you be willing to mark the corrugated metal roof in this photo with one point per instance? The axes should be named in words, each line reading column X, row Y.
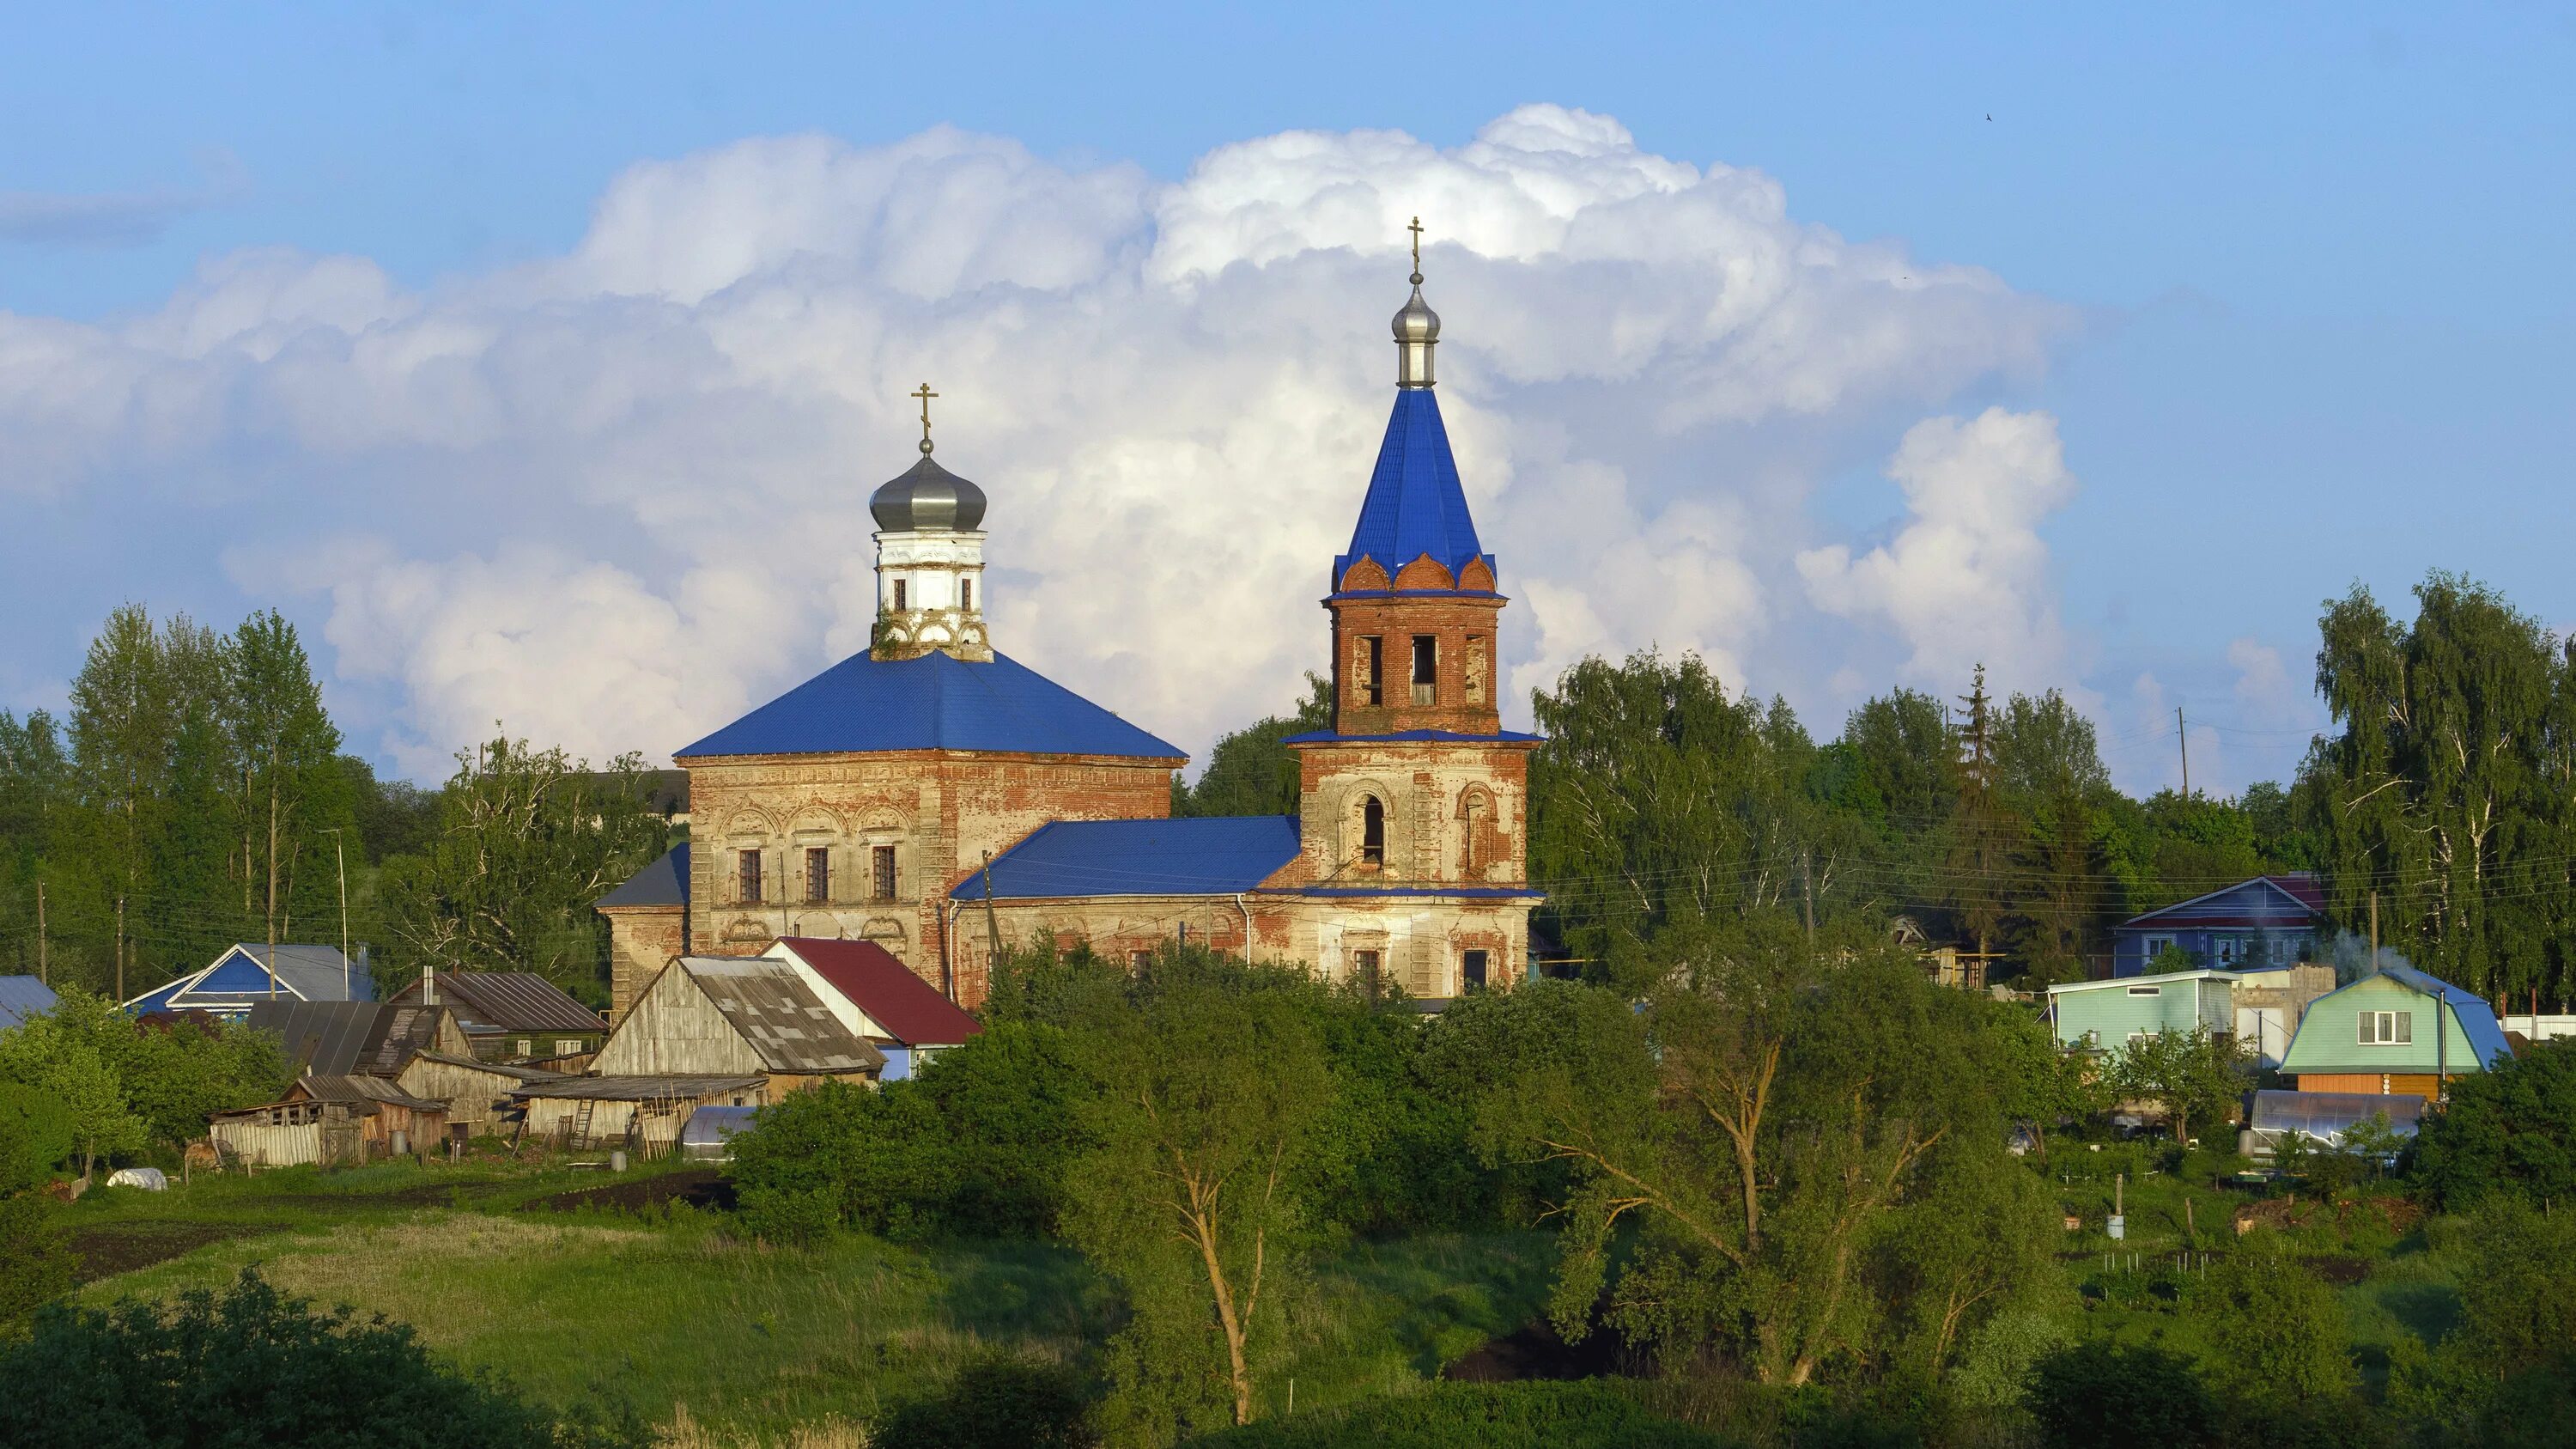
column 2298, row 886
column 323, row 1087
column 775, row 1011
column 510, row 1001
column 2476, row 1018
column 910, row 1009
column 1205, row 856
column 239, row 977
column 934, row 702
column 22, row 997
column 1415, row 503
column 338, row 1037
column 504, row 1069
column 639, row 1089
column 663, row 883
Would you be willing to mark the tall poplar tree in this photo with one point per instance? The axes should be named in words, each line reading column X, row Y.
column 292, row 787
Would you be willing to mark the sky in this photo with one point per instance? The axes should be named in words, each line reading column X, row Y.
column 538, row 362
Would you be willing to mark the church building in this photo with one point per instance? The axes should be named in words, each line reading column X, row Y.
column 938, row 798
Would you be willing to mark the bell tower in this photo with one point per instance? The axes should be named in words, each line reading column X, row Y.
column 1413, row 807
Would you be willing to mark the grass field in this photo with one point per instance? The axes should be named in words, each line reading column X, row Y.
column 657, row 1311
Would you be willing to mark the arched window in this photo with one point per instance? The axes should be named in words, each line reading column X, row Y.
column 1476, row 815
column 1372, row 833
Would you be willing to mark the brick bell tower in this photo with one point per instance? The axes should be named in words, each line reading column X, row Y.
column 1417, row 793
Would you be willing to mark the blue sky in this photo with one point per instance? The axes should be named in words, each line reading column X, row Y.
column 2312, row 256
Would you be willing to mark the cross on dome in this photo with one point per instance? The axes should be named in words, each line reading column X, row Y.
column 925, row 394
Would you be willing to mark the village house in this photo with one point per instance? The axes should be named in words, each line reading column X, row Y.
column 339, row 1038
column 2260, row 1009
column 2395, row 1032
column 875, row 801
column 480, row 1095
column 246, row 974
column 2271, row 920
column 878, row 999
column 333, row 1121
column 511, row 1015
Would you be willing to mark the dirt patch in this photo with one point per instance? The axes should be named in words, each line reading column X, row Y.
column 112, row 1248
column 2341, row 1272
column 698, row 1187
column 1537, row 1351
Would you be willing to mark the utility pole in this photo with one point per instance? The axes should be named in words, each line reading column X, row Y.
column 2183, row 733
column 44, row 973
column 2374, row 933
column 120, row 948
column 992, row 925
column 340, row 849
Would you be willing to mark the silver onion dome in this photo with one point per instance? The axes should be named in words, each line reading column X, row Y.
column 927, row 497
column 1417, row 327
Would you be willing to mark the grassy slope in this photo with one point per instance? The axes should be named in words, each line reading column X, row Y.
column 660, row 1310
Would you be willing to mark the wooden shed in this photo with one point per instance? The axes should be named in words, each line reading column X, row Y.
column 644, row 1113
column 736, row 1016
column 477, row 1093
column 333, row 1121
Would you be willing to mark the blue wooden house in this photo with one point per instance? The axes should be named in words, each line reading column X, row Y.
column 242, row 977
column 2271, row 920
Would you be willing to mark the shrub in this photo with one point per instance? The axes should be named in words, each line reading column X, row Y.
column 2112, row 1396
column 36, row 1132
column 996, row 1398
column 2506, row 1132
column 35, row 1258
column 1588, row 1414
column 250, row 1366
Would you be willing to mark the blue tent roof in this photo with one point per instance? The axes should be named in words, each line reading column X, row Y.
column 1415, row 504
column 934, row 702
column 663, row 883
column 240, row 977
column 1206, row 856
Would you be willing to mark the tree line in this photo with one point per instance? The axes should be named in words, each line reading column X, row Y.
column 197, row 794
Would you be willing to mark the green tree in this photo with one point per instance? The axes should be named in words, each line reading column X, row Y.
column 2194, row 1076
column 2507, row 1132
column 1193, row 1196
column 1251, row 772
column 526, row 840
column 2275, row 1329
column 2517, row 1308
column 2098, row 1395
column 293, row 786
column 63, row 1065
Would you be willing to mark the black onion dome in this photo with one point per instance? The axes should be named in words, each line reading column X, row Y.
column 928, row 497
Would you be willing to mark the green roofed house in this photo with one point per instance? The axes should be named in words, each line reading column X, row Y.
column 2398, row 1032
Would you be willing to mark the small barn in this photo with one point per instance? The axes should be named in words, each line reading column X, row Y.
column 871, row 992
column 480, row 1095
column 247, row 974
column 2397, row 1031
column 333, row 1121
column 644, row 1113
column 511, row 1016
column 736, row 1016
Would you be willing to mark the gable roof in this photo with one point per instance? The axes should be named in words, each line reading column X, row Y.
column 2475, row 1019
column 663, row 883
column 909, row 1009
column 1415, row 503
column 1201, row 856
column 2297, row 889
column 22, row 997
column 339, row 1038
column 508, row 1001
column 239, row 977
column 365, row 1091
column 934, row 702
column 772, row 1008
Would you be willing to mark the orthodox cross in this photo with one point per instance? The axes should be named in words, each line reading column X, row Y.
column 925, row 394
column 1416, row 229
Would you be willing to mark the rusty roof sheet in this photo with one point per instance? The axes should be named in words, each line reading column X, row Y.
column 498, row 1069
column 674, row 1088
column 370, row 1091
column 774, row 1010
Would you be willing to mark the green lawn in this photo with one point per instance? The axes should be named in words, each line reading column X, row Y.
column 659, row 1310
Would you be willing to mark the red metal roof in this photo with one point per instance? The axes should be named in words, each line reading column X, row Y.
column 909, row 1008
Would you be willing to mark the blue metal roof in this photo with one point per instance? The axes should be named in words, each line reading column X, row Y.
column 22, row 997
column 240, row 977
column 663, row 883
column 1415, row 504
column 934, row 702
column 2476, row 1018
column 1205, row 856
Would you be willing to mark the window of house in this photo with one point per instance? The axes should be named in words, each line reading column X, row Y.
column 748, row 866
column 1426, row 667
column 526, row 1047
column 2387, row 1028
column 881, row 871
column 1364, row 967
column 2158, row 945
column 2146, row 991
column 1139, row 960
column 966, row 593
column 1370, row 659
column 818, row 873
column 1473, row 968
column 1372, row 833
column 901, row 597
column 566, row 1046
column 2136, row 1037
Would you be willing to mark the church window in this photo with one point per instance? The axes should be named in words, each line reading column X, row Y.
column 1364, row 967
column 900, row 593
column 1476, row 812
column 1139, row 960
column 1372, row 833
column 881, row 867
column 966, row 594
column 747, row 864
column 1473, row 968
column 1426, row 666
column 1366, row 661
column 818, row 873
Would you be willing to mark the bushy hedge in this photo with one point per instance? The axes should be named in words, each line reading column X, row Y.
column 1586, row 1415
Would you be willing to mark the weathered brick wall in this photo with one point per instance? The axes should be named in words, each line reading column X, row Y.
column 641, row 941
